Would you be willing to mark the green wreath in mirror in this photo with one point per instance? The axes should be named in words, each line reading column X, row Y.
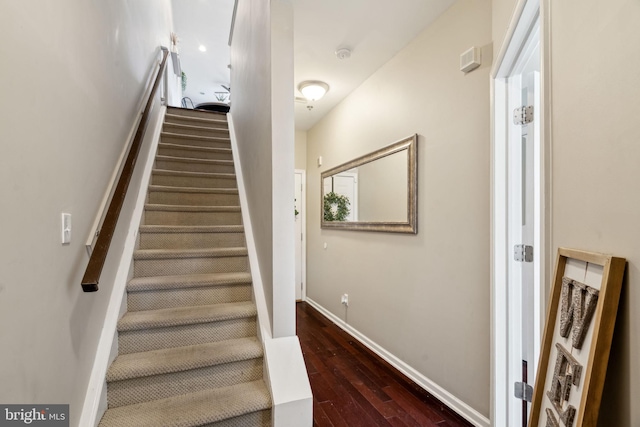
column 336, row 207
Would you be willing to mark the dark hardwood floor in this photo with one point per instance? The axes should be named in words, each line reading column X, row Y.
column 353, row 387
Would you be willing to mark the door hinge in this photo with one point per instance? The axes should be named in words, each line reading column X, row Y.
column 523, row 115
column 523, row 253
column 523, row 391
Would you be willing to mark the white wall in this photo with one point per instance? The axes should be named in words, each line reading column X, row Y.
column 301, row 149
column 423, row 298
column 72, row 76
column 263, row 116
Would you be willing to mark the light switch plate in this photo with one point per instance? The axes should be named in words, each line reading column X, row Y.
column 66, row 228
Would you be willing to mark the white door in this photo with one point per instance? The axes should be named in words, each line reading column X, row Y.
column 300, row 234
column 520, row 171
column 522, row 145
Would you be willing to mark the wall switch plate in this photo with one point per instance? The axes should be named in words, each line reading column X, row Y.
column 319, row 161
column 66, row 228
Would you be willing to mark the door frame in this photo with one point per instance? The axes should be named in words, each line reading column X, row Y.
column 525, row 15
column 303, row 218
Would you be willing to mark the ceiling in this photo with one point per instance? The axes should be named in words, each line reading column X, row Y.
column 206, row 23
column 374, row 31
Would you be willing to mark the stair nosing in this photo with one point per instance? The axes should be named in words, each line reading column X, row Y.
column 194, row 160
column 194, row 408
column 197, row 128
column 155, row 228
column 159, row 207
column 216, row 175
column 164, row 134
column 196, row 118
column 206, row 190
column 167, row 360
column 172, row 145
column 182, row 316
column 151, row 254
column 188, row 281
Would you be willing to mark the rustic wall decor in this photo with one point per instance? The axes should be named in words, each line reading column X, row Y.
column 577, row 339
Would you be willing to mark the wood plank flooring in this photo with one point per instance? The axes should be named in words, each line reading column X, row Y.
column 353, row 387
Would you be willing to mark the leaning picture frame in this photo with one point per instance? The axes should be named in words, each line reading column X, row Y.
column 577, row 339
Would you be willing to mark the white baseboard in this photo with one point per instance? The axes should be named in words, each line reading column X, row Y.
column 95, row 399
column 455, row 404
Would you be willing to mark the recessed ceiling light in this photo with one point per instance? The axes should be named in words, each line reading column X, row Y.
column 202, row 48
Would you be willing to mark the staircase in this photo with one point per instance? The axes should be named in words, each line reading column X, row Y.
column 188, row 354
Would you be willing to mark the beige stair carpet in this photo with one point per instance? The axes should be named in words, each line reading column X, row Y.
column 187, row 348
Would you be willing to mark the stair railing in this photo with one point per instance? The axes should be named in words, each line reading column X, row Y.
column 103, row 242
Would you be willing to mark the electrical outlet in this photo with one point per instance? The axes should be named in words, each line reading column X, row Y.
column 345, row 299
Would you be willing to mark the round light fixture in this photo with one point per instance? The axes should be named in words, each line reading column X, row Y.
column 202, row 48
column 313, row 90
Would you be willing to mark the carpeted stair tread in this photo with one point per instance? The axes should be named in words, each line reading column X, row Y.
column 195, row 137
column 194, row 174
column 157, row 362
column 177, row 316
column 197, row 190
column 194, row 409
column 139, row 284
column 192, row 127
column 142, row 254
column 190, row 208
column 195, row 148
column 188, row 348
column 203, row 120
column 194, row 160
column 191, row 229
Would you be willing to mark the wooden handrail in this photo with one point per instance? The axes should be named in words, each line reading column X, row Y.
column 99, row 254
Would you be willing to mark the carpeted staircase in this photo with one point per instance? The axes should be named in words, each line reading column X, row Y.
column 188, row 354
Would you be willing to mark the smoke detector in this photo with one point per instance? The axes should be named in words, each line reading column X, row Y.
column 343, row 53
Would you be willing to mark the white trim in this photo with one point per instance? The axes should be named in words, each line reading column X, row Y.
column 289, row 384
column 525, row 13
column 264, row 330
column 96, row 388
column 285, row 371
column 303, row 273
column 455, row 404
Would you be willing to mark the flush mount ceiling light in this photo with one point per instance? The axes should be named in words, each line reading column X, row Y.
column 202, row 48
column 313, row 90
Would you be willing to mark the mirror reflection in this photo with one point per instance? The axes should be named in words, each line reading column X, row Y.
column 374, row 192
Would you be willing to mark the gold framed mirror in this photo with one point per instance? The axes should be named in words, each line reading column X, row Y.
column 374, row 192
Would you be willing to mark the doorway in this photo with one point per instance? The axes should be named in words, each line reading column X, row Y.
column 300, row 233
column 519, row 221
